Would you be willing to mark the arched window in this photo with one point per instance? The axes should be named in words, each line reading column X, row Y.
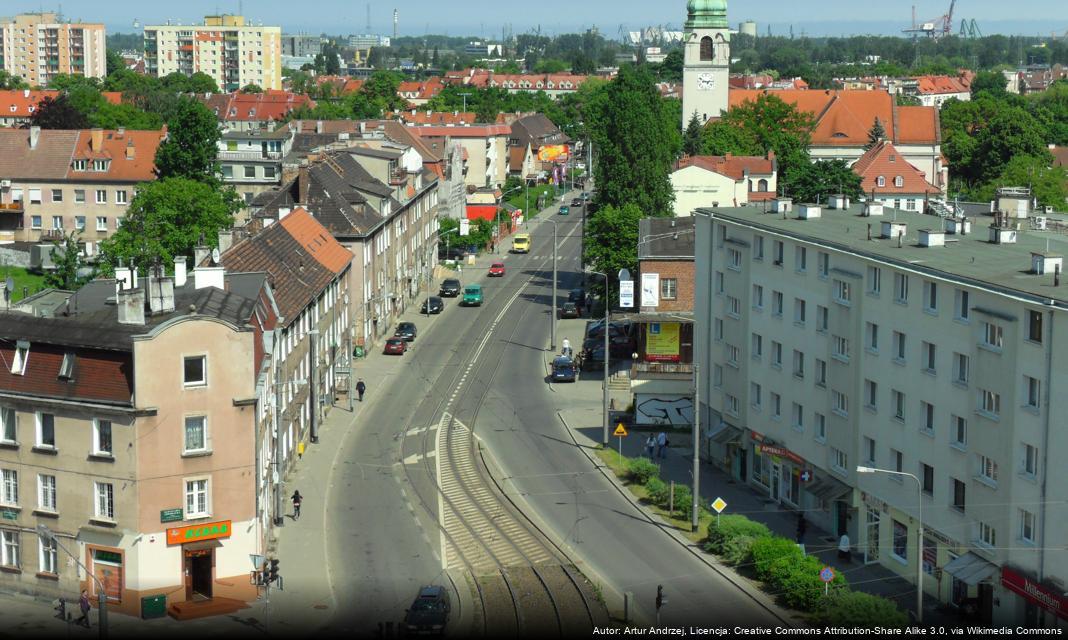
column 763, row 184
column 881, row 181
column 706, row 48
column 899, row 181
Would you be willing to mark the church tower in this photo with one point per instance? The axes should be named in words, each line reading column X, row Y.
column 706, row 60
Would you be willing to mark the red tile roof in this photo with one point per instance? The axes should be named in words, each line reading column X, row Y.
column 132, row 155
column 101, row 376
column 1060, row 156
column 21, row 103
column 883, row 160
column 942, row 84
column 256, row 107
column 733, row 167
column 476, row 131
column 317, row 240
column 414, row 116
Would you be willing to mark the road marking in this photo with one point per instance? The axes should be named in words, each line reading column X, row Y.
column 415, row 458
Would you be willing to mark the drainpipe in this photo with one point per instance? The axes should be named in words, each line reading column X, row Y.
column 313, row 384
column 1045, row 444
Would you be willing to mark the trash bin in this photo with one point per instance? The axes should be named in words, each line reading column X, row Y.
column 153, row 606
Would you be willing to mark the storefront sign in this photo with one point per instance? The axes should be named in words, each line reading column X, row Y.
column 626, row 294
column 8, row 514
column 781, row 452
column 199, row 532
column 1036, row 593
column 170, row 515
column 662, row 342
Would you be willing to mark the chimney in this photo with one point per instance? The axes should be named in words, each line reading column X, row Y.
column 303, row 184
column 318, row 126
column 209, row 277
column 123, row 278
column 179, row 271
column 131, row 306
column 226, row 240
column 35, row 135
column 130, row 150
column 96, row 139
column 25, row 93
column 160, row 294
column 121, row 131
column 199, row 255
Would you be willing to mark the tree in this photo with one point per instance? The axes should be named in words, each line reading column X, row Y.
column 876, row 134
column 67, row 259
column 766, row 124
column 903, row 100
column 113, row 116
column 114, row 62
column 201, row 82
column 9, row 81
column 812, row 181
column 990, row 81
column 252, row 88
column 58, row 113
column 191, row 145
column 1048, row 184
column 612, row 238
column 691, row 139
column 435, row 59
column 168, row 218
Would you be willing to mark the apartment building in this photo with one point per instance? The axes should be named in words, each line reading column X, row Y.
column 239, row 111
column 39, row 46
column 485, row 147
column 907, row 343
column 234, row 53
column 56, row 181
column 128, row 422
column 251, row 161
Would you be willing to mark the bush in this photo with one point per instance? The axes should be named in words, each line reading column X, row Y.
column 724, row 530
column 658, row 490
column 856, row 609
column 800, row 584
column 769, row 551
column 683, row 499
column 641, row 469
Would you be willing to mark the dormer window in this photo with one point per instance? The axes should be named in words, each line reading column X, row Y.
column 32, row 108
column 899, row 181
column 79, row 165
column 101, row 165
column 893, row 158
column 12, row 108
column 22, row 356
column 251, row 112
column 233, row 112
column 881, row 181
column 66, row 369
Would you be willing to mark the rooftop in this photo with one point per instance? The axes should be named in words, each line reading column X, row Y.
column 670, row 238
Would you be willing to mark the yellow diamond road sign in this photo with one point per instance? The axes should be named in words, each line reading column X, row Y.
column 620, row 430
column 719, row 505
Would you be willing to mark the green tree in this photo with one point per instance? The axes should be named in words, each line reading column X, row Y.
column 252, row 88
column 168, row 218
column 1049, row 184
column 191, row 145
column 9, row 81
column 876, row 134
column 113, row 61
column 435, row 59
column 612, row 238
column 691, row 139
column 812, row 181
column 58, row 113
column 550, row 66
column 990, row 81
column 113, row 116
column 67, row 258
column 903, row 100
column 766, row 124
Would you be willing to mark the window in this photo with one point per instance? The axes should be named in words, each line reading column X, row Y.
column 1033, row 389
column 800, row 259
column 101, row 196
column 930, row 297
column 46, row 492
column 840, row 460
column 959, row 432
column 901, row 288
column 734, row 259
column 732, row 405
column 929, row 357
column 719, row 329
column 227, row 171
column 57, row 223
column 988, row 469
column 959, row 491
column 821, row 318
column 776, row 406
column 869, row 450
column 1027, row 526
column 80, row 165
column 668, row 288
column 270, row 171
column 960, row 305
column 871, row 394
column 196, row 498
column 899, row 346
column 8, row 425
column 776, row 303
column 79, row 223
column 717, row 376
column 57, row 195
column 881, row 181
column 897, row 403
column 901, row 538
column 987, row 534
column 46, row 430
column 873, row 337
column 196, row 433
column 821, row 373
column 927, row 478
column 840, row 403
column 842, row 292
column 719, row 282
column 47, row 548
column 898, row 460
column 758, row 296
column 798, row 416
column 799, row 364
column 22, row 357
column 120, row 197
column 757, row 346
column 875, row 278
column 1034, row 326
column 778, row 253
column 899, row 181
column 194, row 371
column 927, row 415
column 105, row 500
column 9, row 492
column 841, row 348
column 799, row 311
column 35, row 222
column 989, row 402
column 992, row 335
column 960, row 368
column 755, row 395
column 102, row 438
column 250, row 171
column 758, row 247
column 734, row 307
column 823, row 264
column 1030, row 460
column 821, row 426
column 9, row 548
column 732, row 355
column 79, row 196
column 100, row 165
column 776, row 354
column 101, row 223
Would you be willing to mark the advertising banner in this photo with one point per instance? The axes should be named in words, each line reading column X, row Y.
column 662, row 342
column 626, row 294
column 553, row 153
column 650, row 289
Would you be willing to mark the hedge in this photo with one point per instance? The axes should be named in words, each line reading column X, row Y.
column 726, row 531
column 641, row 469
column 658, row 490
column 769, row 551
column 858, row 609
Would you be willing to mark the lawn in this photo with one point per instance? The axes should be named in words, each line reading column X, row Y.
column 31, row 281
column 519, row 199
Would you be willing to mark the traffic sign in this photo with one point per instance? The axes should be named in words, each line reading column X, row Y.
column 826, row 574
column 806, row 475
column 719, row 504
column 620, row 431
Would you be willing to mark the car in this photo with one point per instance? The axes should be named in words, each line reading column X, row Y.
column 586, row 196
column 472, row 296
column 451, row 253
column 395, row 347
column 450, row 288
column 569, row 310
column 496, row 269
column 564, row 210
column 521, row 243
column 564, row 369
column 578, row 296
column 405, row 331
column 436, row 304
column 576, row 202
column 429, row 613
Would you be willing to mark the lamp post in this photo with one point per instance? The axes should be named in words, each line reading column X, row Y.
column 919, row 537
column 430, row 269
column 604, row 435
column 552, row 310
column 102, row 623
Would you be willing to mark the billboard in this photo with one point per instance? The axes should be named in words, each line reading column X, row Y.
column 650, row 289
column 553, row 153
column 626, row 294
column 662, row 342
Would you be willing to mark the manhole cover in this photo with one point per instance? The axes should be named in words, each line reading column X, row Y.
column 320, row 607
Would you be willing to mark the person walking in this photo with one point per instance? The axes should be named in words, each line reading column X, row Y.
column 802, row 525
column 360, row 388
column 567, row 347
column 843, row 548
column 297, row 499
column 650, row 445
column 661, row 444
column 83, row 604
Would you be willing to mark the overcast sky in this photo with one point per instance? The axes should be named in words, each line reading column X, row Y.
column 486, row 17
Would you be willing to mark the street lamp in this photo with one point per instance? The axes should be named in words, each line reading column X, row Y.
column 552, row 310
column 102, row 623
column 919, row 537
column 430, row 269
column 604, row 436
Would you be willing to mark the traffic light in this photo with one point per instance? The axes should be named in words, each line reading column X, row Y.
column 272, row 571
column 659, row 596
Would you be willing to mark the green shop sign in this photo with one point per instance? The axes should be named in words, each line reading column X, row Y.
column 170, row 515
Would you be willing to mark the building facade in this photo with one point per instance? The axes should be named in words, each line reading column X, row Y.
column 251, row 161
column 706, row 60
column 39, row 46
column 699, row 181
column 233, row 53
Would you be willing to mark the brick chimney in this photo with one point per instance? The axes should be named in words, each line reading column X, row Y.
column 180, row 271
column 35, row 135
column 160, row 294
column 131, row 306
column 226, row 240
column 303, row 185
column 96, row 139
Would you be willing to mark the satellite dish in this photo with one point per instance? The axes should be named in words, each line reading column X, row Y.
column 215, row 255
column 9, row 284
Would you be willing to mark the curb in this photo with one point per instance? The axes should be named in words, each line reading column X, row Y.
column 743, row 585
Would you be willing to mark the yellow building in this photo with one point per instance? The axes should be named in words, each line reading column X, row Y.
column 38, row 46
column 225, row 47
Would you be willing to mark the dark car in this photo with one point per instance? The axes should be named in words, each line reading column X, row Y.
column 576, row 202
column 429, row 612
column 395, row 347
column 436, row 304
column 564, row 369
column 569, row 310
column 451, row 253
column 587, row 196
column 564, row 210
column 405, row 331
column 578, row 296
column 450, row 288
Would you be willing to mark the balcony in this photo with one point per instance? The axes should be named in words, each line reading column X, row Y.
column 250, row 155
column 12, row 207
column 661, row 371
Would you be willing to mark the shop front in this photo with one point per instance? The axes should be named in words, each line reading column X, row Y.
column 199, row 544
column 1036, row 604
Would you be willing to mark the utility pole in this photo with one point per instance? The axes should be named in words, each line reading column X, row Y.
column 313, row 384
column 552, row 310
column 696, row 448
column 278, row 393
column 102, row 595
column 604, row 436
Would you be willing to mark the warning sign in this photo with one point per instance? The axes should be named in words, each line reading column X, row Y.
column 620, row 431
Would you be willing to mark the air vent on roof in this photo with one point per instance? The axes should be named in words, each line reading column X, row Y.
column 893, row 229
column 838, row 201
column 1042, row 262
column 809, row 211
column 66, row 369
column 783, row 205
column 932, row 238
column 1002, row 231
column 872, row 208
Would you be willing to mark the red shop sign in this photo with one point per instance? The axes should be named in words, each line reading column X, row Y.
column 781, row 452
column 1036, row 593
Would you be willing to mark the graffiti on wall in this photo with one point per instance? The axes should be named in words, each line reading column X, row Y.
column 663, row 410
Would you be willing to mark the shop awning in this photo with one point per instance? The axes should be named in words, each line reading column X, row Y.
column 724, row 433
column 828, row 489
column 201, row 545
column 99, row 536
column 971, row 569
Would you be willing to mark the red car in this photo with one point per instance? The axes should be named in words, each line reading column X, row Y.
column 497, row 269
column 395, row 347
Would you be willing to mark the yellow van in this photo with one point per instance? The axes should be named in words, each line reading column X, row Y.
column 521, row 243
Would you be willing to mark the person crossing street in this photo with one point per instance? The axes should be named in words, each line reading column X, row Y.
column 361, row 387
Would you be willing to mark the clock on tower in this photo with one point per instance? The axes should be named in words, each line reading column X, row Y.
column 706, row 60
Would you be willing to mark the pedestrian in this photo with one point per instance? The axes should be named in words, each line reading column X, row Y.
column 801, row 526
column 589, row 303
column 843, row 548
column 650, row 445
column 661, row 444
column 297, row 499
column 300, row 450
column 567, row 347
column 83, row 604
column 360, row 388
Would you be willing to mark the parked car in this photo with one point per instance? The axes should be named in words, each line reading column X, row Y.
column 564, row 210
column 576, row 202
column 578, row 296
column 405, row 331
column 564, row 369
column 395, row 347
column 429, row 612
column 451, row 253
column 586, row 196
column 436, row 304
column 569, row 310
column 472, row 296
column 450, row 288
column 496, row 269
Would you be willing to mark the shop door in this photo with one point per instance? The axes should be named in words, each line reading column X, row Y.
column 198, row 578
column 986, row 603
column 776, row 481
column 871, row 551
column 741, row 465
column 841, row 517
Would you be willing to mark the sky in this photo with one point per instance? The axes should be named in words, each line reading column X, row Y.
column 485, row 18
